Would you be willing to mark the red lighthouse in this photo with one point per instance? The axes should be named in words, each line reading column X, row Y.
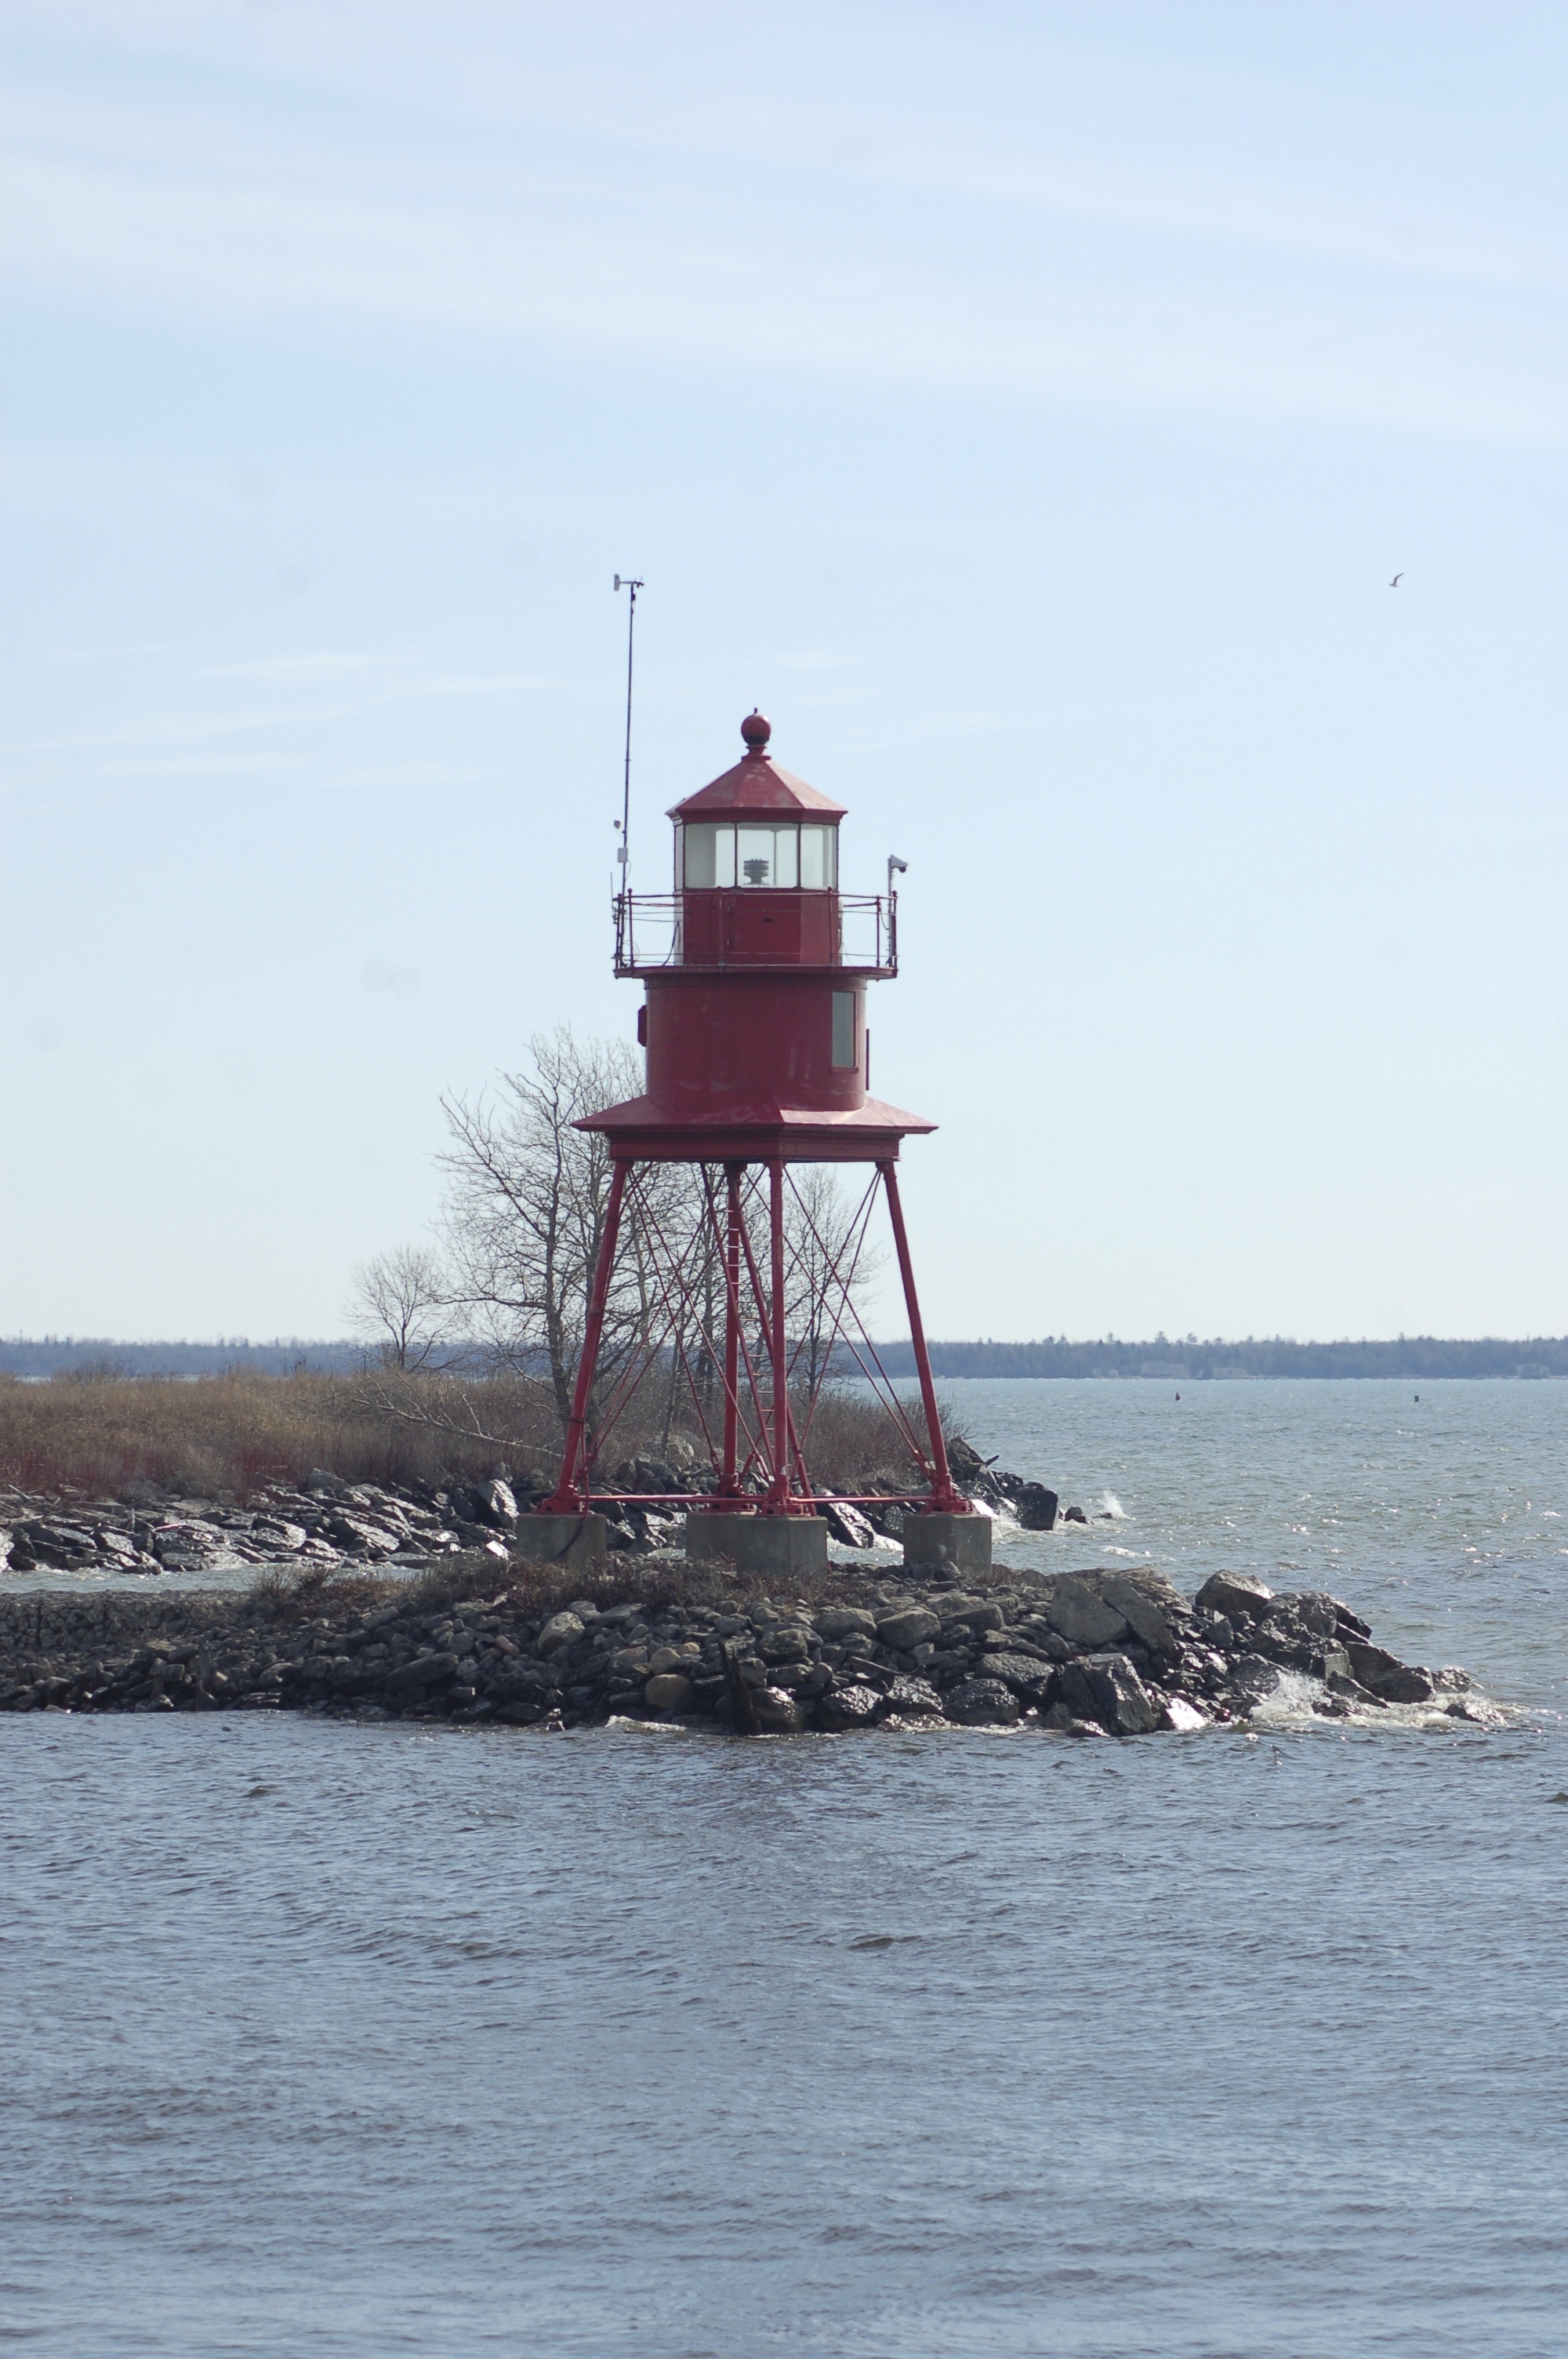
column 755, row 971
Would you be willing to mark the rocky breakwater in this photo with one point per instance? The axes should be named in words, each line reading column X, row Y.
column 323, row 1522
column 1092, row 1653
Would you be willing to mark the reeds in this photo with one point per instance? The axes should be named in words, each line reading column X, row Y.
column 225, row 1437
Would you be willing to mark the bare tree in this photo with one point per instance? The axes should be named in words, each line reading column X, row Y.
column 527, row 1200
column 400, row 1303
column 526, row 1206
column 829, row 1282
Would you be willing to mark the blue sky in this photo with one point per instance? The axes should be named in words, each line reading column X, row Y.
column 1026, row 407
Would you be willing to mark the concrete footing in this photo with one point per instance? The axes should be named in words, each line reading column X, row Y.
column 963, row 1541
column 570, row 1541
column 785, row 1545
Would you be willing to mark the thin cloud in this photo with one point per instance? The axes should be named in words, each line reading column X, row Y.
column 482, row 684
column 190, row 726
column 1055, row 283
column 201, row 766
column 314, row 667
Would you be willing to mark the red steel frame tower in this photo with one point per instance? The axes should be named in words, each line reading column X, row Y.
column 755, row 971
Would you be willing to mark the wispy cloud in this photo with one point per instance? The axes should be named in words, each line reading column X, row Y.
column 480, row 684
column 1195, row 255
column 174, row 728
column 201, row 766
column 300, row 667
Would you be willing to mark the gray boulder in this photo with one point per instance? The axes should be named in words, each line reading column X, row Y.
column 496, row 1503
column 667, row 1692
column 1035, row 1507
column 1062, row 1721
column 561, row 1630
column 911, row 1626
column 425, row 1671
column 840, row 1622
column 1233, row 1593
column 1106, row 1689
column 1384, row 1676
column 855, row 1706
column 1152, row 1619
column 1075, row 1614
column 911, row 1699
column 1253, row 1677
column 981, row 1704
column 1026, row 1675
column 1411, row 1683
column 776, row 1713
column 786, row 1642
column 973, row 1614
column 1284, row 1638
column 847, row 1524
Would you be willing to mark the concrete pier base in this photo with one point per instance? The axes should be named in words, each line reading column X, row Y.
column 964, row 1541
column 570, row 1541
column 785, row 1545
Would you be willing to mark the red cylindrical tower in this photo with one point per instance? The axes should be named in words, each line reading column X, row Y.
column 755, row 970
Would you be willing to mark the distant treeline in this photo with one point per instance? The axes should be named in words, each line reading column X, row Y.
column 54, row 1356
column 1408, row 1356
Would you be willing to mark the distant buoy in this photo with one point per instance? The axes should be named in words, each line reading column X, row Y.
column 1178, row 1396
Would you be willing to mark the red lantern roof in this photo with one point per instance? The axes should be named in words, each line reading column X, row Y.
column 757, row 785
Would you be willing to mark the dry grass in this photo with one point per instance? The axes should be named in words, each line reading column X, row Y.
column 222, row 1437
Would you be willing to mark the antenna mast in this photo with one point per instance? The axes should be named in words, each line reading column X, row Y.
column 623, row 581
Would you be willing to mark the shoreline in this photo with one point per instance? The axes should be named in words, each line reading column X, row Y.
column 327, row 1522
column 1092, row 1653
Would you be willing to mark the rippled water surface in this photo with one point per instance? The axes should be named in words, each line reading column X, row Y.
column 334, row 2039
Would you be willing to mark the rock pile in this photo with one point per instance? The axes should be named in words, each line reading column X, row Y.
column 324, row 1522
column 1089, row 1653
column 327, row 1521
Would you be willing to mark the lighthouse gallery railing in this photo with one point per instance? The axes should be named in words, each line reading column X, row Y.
column 648, row 933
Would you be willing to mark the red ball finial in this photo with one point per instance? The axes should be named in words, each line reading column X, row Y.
column 756, row 732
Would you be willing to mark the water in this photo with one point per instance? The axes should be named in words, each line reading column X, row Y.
column 1438, row 1512
column 324, row 2038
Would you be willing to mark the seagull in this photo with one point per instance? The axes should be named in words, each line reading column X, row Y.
column 1397, row 580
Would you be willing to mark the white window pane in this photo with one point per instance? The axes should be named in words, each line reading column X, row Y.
column 843, row 1027
column 724, row 856
column 699, row 850
column 814, row 857
column 786, row 839
column 756, row 855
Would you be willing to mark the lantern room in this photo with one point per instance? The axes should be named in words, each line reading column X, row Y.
column 756, row 866
column 756, row 966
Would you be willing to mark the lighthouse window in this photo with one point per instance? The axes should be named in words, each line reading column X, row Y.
column 844, row 1027
column 709, row 857
column 817, row 846
column 757, row 855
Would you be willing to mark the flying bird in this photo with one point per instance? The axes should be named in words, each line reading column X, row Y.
column 1397, row 580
